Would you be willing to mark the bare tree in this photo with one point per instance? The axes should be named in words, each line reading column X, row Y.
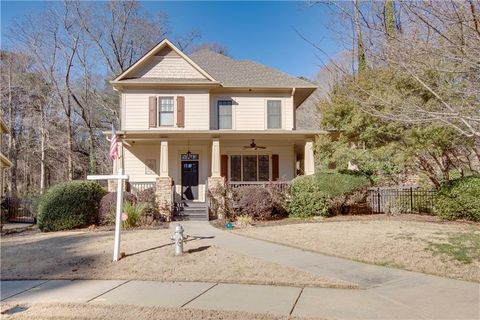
column 121, row 31
column 212, row 46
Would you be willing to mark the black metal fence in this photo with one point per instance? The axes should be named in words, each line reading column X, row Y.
column 18, row 210
column 401, row 199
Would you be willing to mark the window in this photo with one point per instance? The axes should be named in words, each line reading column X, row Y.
column 236, row 168
column 224, row 114
column 274, row 114
column 165, row 113
column 263, row 168
column 249, row 168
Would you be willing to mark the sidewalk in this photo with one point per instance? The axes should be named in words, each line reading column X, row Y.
column 308, row 302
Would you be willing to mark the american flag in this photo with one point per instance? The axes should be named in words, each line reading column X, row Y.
column 113, row 144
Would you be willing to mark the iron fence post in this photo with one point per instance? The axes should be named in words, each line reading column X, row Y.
column 378, row 199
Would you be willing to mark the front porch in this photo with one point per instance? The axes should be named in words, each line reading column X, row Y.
column 181, row 168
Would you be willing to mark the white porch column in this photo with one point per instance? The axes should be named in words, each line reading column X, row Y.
column 216, row 158
column 164, row 159
column 309, row 161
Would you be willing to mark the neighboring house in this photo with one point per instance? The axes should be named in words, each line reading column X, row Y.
column 191, row 122
column 4, row 162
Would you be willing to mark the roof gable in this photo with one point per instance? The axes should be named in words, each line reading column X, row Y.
column 165, row 61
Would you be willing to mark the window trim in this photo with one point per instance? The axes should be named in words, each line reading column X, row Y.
column 218, row 113
column 159, row 125
column 281, row 113
column 242, row 154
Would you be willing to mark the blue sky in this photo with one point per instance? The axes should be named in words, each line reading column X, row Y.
column 260, row 31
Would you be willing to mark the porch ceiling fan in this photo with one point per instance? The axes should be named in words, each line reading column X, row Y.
column 253, row 146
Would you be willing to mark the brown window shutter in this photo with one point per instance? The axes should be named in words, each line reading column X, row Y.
column 224, row 166
column 181, row 112
column 275, row 167
column 152, row 112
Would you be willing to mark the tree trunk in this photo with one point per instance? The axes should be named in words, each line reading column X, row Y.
column 389, row 19
column 12, row 143
column 42, row 150
column 69, row 141
column 361, row 59
column 91, row 152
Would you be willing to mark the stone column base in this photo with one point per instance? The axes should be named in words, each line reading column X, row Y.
column 163, row 196
column 112, row 185
column 218, row 198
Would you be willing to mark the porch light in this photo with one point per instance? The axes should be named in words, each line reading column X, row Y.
column 189, row 153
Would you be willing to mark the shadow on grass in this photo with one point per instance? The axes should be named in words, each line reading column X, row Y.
column 199, row 249
column 149, row 249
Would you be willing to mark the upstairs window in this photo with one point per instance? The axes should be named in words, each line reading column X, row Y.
column 224, row 114
column 274, row 114
column 165, row 111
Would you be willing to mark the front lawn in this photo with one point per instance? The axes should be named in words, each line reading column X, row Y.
column 411, row 242
column 86, row 254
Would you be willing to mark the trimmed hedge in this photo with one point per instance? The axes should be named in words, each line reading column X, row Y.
column 460, row 199
column 319, row 194
column 69, row 205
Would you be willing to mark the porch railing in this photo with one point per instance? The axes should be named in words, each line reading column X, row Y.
column 136, row 187
column 283, row 185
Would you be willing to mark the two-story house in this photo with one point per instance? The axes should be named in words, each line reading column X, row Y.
column 190, row 122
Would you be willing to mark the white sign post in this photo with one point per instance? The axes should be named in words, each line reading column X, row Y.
column 118, row 215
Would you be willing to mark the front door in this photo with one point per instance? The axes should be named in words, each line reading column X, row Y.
column 189, row 180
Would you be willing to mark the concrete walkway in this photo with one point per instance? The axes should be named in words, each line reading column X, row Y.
column 386, row 293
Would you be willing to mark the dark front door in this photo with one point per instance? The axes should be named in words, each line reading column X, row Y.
column 189, row 180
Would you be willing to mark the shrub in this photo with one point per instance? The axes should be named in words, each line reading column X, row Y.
column 279, row 197
column 151, row 212
column 108, row 205
column 325, row 194
column 134, row 213
column 459, row 199
column 255, row 202
column 69, row 205
column 306, row 198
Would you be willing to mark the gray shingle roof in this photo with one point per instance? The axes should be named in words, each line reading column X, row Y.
column 242, row 73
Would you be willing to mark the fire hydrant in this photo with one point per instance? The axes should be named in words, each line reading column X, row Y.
column 179, row 238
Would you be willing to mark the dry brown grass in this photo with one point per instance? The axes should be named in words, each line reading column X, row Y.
column 446, row 249
column 149, row 256
column 124, row 312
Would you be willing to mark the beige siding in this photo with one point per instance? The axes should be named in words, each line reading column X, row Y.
column 136, row 155
column 168, row 67
column 249, row 110
column 196, row 108
column 134, row 161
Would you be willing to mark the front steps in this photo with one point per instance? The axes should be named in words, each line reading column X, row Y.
column 190, row 211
